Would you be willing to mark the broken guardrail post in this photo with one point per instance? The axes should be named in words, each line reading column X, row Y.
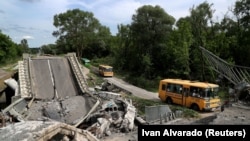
column 166, row 117
column 141, row 121
column 160, row 118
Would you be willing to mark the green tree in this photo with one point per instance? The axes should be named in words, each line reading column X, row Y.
column 181, row 40
column 242, row 51
column 224, row 38
column 8, row 49
column 49, row 49
column 100, row 45
column 201, row 26
column 150, row 28
column 76, row 29
column 24, row 45
column 123, row 43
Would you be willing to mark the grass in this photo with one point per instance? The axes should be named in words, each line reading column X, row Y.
column 140, row 104
column 94, row 80
column 188, row 113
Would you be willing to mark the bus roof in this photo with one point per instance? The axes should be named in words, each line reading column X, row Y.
column 105, row 66
column 190, row 83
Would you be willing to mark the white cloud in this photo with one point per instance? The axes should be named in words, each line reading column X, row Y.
column 119, row 12
column 28, row 37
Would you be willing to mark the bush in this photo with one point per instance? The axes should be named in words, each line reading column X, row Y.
column 150, row 85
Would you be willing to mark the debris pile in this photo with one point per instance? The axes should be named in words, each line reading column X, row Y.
column 44, row 131
column 116, row 115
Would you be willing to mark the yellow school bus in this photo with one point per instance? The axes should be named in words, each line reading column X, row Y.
column 199, row 96
column 106, row 70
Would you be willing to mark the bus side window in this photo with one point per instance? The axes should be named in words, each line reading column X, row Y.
column 202, row 93
column 180, row 90
column 209, row 93
column 168, row 88
column 175, row 89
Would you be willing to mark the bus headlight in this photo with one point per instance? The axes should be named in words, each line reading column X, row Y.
column 219, row 103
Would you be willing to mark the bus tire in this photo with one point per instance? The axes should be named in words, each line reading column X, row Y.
column 195, row 107
column 169, row 100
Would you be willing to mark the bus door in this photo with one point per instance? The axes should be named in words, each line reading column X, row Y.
column 185, row 95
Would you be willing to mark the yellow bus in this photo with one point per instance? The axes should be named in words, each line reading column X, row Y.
column 106, row 70
column 199, row 96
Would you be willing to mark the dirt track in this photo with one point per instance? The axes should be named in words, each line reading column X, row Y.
column 136, row 91
column 4, row 75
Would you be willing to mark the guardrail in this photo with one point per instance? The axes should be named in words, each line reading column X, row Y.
column 82, row 84
column 78, row 72
column 24, row 79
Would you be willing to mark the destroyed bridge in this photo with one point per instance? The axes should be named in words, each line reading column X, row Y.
column 53, row 90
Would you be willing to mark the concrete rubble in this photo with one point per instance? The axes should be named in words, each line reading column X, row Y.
column 43, row 131
column 116, row 114
column 82, row 115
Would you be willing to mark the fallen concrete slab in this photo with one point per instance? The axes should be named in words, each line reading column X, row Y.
column 43, row 131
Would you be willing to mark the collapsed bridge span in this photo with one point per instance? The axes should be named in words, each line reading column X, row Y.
column 52, row 88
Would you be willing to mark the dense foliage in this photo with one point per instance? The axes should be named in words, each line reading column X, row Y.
column 10, row 51
column 155, row 45
column 80, row 32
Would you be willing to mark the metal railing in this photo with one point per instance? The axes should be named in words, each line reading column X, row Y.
column 234, row 73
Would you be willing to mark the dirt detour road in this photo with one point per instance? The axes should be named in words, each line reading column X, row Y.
column 136, row 91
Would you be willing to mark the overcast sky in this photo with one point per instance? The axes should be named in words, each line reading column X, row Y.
column 33, row 19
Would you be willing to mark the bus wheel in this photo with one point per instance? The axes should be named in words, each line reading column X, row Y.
column 195, row 107
column 169, row 100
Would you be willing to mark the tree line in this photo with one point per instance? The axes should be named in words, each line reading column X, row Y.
column 10, row 51
column 155, row 45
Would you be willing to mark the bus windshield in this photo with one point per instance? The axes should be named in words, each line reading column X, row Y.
column 105, row 70
column 211, row 92
column 108, row 69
